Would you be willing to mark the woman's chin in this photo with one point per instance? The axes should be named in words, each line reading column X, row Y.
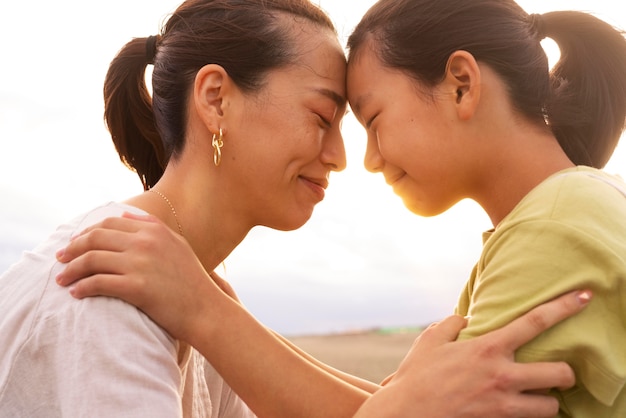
column 290, row 223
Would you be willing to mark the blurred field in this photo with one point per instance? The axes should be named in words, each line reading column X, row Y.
column 372, row 355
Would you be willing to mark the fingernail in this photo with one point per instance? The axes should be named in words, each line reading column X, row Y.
column 60, row 253
column 72, row 289
column 59, row 278
column 584, row 296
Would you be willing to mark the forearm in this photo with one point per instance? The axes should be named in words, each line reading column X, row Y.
column 266, row 373
column 353, row 380
column 363, row 384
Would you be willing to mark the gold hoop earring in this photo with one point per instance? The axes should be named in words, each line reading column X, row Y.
column 217, row 143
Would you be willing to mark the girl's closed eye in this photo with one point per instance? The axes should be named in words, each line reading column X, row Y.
column 369, row 122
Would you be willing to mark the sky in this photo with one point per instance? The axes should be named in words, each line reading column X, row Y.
column 362, row 261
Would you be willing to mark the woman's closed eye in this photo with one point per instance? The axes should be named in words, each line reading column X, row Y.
column 325, row 121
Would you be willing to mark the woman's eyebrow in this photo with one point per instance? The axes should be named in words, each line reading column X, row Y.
column 333, row 95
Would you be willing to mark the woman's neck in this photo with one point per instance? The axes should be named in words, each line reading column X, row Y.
column 211, row 235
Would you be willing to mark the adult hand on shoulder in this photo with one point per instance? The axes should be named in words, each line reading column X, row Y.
column 441, row 377
column 139, row 259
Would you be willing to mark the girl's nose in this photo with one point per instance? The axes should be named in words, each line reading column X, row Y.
column 373, row 160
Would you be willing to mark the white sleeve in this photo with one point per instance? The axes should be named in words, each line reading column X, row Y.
column 105, row 358
column 95, row 357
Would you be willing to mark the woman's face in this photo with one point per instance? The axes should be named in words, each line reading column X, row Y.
column 411, row 134
column 290, row 133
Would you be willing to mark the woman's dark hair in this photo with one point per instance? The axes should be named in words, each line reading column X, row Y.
column 246, row 37
column 582, row 99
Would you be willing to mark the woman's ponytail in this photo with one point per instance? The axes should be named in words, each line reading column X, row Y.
column 128, row 111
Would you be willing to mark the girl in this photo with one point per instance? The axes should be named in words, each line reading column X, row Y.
column 477, row 114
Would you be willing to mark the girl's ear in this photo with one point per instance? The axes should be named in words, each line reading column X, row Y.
column 462, row 79
column 212, row 84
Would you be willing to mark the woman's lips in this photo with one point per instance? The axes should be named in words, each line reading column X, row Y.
column 317, row 185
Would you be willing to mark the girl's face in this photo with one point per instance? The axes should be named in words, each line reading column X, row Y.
column 412, row 136
column 290, row 137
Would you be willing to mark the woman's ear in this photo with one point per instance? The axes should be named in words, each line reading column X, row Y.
column 209, row 90
column 462, row 79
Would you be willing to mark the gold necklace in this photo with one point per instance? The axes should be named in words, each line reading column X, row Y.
column 180, row 228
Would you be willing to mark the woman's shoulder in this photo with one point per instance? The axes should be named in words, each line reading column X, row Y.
column 100, row 213
column 33, row 307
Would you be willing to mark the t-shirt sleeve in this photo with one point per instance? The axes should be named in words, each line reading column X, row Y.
column 532, row 262
column 108, row 360
column 95, row 357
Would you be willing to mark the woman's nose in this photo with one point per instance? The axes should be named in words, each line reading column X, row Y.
column 334, row 151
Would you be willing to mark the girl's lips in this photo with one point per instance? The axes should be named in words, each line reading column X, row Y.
column 395, row 179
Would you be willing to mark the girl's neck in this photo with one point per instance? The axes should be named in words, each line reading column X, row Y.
column 519, row 170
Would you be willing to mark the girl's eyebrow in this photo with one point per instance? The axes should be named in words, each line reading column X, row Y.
column 358, row 104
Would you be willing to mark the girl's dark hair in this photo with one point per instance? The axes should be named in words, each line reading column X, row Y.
column 246, row 37
column 582, row 99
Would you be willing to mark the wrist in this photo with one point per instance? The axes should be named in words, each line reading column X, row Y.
column 201, row 319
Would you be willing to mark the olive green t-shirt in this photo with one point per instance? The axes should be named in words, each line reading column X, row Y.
column 568, row 233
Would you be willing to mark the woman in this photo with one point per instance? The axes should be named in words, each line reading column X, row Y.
column 242, row 130
column 439, row 378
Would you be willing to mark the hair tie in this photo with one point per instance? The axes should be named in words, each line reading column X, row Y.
column 151, row 48
column 537, row 25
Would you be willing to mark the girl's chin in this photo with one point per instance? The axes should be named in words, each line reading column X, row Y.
column 421, row 208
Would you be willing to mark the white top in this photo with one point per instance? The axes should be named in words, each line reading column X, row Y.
column 96, row 357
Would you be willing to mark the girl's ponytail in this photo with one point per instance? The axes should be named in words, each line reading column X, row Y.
column 587, row 106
